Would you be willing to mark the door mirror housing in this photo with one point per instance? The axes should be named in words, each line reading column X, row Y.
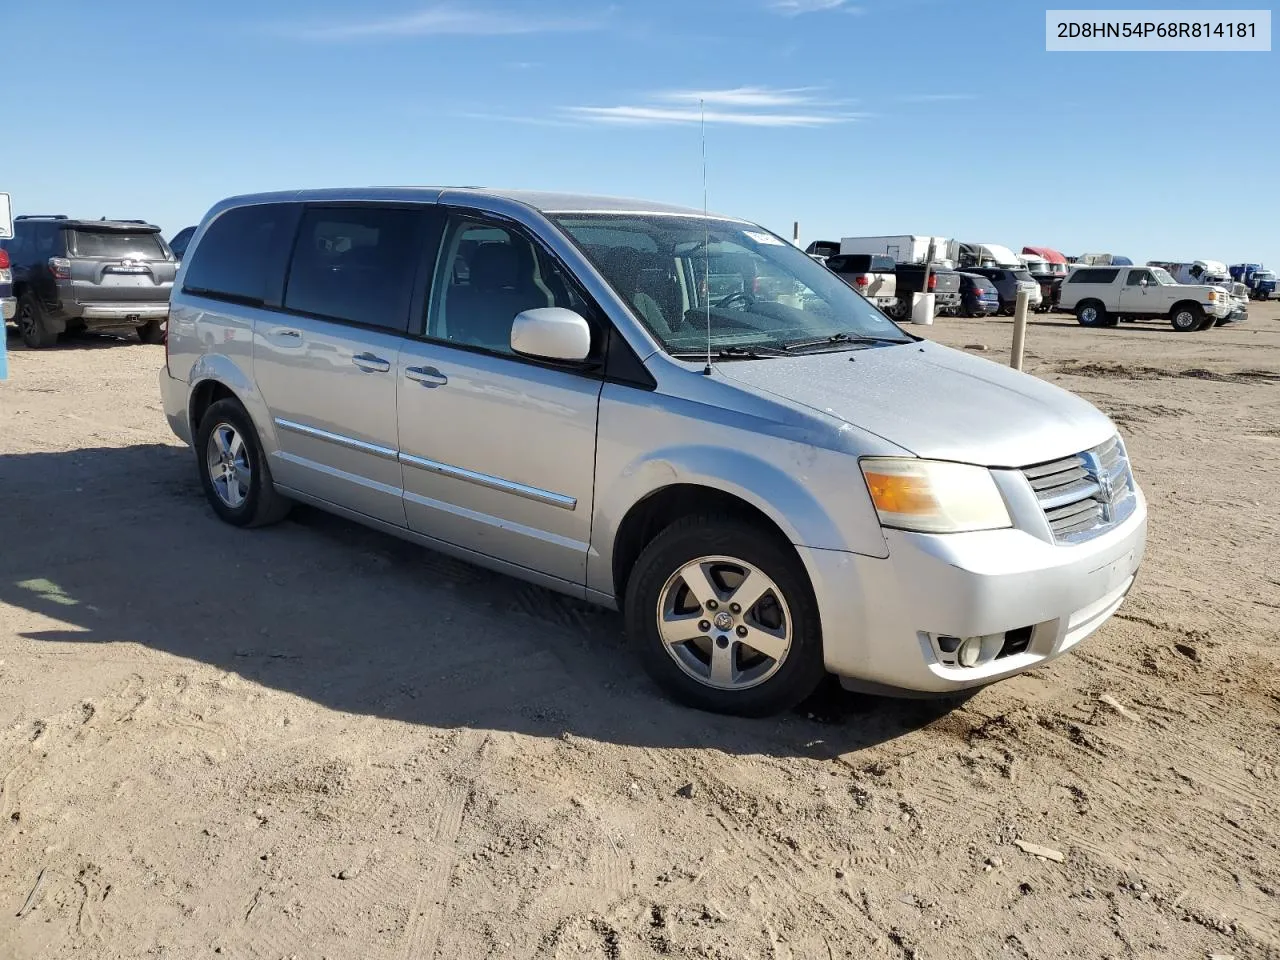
column 551, row 333
column 1143, row 282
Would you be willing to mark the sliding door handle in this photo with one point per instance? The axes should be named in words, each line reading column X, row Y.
column 427, row 376
column 371, row 364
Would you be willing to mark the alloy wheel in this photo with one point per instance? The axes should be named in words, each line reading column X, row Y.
column 227, row 457
column 725, row 623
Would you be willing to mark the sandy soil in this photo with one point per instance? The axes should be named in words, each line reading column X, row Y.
column 315, row 741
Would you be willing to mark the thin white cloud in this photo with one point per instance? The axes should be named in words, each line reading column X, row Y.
column 744, row 97
column 794, row 8
column 747, row 106
column 650, row 116
column 443, row 19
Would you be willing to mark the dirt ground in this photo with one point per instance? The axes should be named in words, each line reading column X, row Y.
column 317, row 741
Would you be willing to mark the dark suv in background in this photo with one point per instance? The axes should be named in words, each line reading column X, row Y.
column 71, row 275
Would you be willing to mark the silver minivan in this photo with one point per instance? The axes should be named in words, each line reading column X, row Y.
column 678, row 415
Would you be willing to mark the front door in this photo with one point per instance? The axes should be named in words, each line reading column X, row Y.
column 498, row 451
column 1139, row 297
column 326, row 366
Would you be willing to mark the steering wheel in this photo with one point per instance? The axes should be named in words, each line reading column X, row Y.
column 740, row 296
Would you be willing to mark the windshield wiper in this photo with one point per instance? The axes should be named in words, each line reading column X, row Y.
column 837, row 338
column 733, row 353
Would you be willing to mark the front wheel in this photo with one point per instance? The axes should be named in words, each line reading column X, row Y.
column 724, row 617
column 1187, row 318
column 234, row 470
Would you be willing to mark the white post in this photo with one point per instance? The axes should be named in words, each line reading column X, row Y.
column 1020, row 328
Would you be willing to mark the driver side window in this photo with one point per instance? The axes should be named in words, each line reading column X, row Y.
column 1137, row 276
column 486, row 275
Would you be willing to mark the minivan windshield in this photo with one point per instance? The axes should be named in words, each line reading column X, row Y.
column 681, row 274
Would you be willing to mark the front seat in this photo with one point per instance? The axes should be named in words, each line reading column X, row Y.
column 501, row 286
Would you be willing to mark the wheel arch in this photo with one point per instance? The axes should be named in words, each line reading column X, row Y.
column 637, row 502
column 217, row 377
column 1186, row 303
column 662, row 507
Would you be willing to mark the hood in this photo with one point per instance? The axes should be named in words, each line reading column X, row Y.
column 935, row 402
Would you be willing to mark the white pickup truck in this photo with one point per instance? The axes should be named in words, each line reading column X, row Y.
column 1101, row 296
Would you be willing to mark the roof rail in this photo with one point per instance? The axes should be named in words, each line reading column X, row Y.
column 42, row 216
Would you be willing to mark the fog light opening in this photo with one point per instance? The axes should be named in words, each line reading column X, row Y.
column 948, row 644
column 970, row 652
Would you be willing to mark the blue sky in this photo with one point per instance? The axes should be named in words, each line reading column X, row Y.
column 855, row 117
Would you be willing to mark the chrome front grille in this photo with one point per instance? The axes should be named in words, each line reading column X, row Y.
column 1086, row 494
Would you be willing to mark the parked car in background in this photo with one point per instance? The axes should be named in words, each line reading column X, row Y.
column 1103, row 296
column 1103, row 260
column 1008, row 281
column 943, row 282
column 548, row 412
column 1262, row 285
column 8, row 302
column 822, row 248
column 1050, row 281
column 89, row 274
column 1058, row 264
column 873, row 276
column 912, row 253
column 966, row 255
column 978, row 296
column 181, row 240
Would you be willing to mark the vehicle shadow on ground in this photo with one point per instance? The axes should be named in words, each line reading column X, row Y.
column 77, row 340
column 118, row 545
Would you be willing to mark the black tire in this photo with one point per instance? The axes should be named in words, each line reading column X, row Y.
column 153, row 331
column 262, row 504
column 1093, row 314
column 1187, row 317
column 33, row 325
column 800, row 669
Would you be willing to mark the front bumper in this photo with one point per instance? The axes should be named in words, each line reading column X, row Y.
column 173, row 397
column 879, row 616
column 116, row 312
column 8, row 308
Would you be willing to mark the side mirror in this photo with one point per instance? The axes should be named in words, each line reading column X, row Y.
column 551, row 333
column 1143, row 282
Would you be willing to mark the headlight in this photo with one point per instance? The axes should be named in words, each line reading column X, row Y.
column 930, row 496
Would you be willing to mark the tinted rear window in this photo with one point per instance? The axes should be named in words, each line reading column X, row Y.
column 115, row 245
column 1093, row 275
column 356, row 264
column 234, row 259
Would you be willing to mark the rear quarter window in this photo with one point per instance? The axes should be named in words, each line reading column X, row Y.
column 238, row 258
column 1093, row 276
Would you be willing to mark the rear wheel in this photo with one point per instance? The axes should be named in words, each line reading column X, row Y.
column 33, row 325
column 1092, row 314
column 1187, row 317
column 233, row 469
column 724, row 618
column 153, row 331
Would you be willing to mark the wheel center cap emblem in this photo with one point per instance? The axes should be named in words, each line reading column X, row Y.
column 723, row 620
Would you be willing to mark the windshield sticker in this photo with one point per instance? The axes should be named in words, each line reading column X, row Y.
column 766, row 238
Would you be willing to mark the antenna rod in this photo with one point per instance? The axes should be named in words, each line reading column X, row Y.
column 706, row 226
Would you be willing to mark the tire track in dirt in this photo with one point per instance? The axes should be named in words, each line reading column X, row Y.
column 431, row 897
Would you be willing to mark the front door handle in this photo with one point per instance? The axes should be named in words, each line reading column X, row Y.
column 371, row 364
column 427, row 376
column 287, row 332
